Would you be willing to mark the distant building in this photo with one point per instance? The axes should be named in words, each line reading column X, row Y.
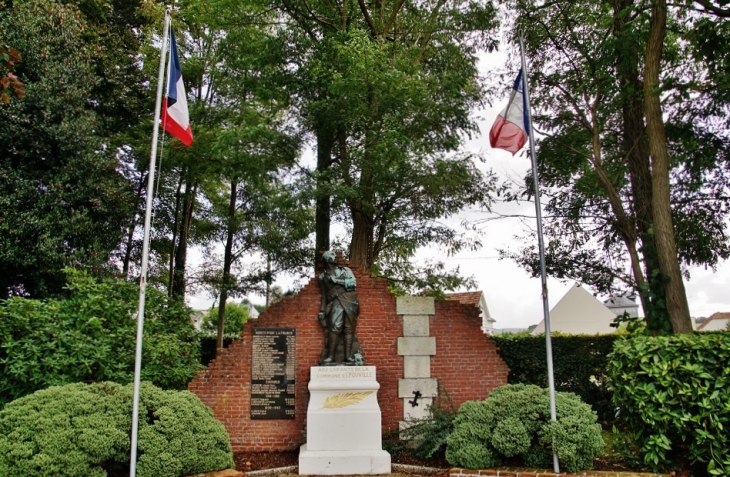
column 579, row 312
column 716, row 322
column 476, row 298
column 253, row 313
column 623, row 304
column 197, row 318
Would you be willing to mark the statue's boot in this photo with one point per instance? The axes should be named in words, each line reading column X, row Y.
column 348, row 348
column 334, row 341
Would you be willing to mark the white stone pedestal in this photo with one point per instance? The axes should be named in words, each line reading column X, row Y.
column 343, row 423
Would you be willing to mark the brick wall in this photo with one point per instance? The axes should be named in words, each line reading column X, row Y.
column 467, row 364
column 468, row 368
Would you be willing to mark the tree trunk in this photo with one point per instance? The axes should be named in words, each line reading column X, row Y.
column 362, row 237
column 227, row 259
column 624, row 223
column 181, row 254
column 676, row 297
column 325, row 141
column 268, row 279
column 133, row 225
column 361, row 209
column 175, row 231
column 636, row 150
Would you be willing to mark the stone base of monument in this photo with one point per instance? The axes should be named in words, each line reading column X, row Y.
column 344, row 435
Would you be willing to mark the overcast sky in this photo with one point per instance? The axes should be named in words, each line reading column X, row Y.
column 513, row 297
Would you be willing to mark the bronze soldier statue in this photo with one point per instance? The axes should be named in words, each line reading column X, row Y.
column 339, row 308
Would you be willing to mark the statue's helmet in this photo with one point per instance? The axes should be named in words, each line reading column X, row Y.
column 329, row 256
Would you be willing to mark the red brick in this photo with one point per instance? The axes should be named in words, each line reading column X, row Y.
column 460, row 344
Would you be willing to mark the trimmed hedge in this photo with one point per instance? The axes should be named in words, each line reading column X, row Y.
column 579, row 365
column 514, row 421
column 673, row 396
column 81, row 429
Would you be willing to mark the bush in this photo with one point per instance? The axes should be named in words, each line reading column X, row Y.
column 579, row 363
column 81, row 429
column 236, row 316
column 673, row 396
column 514, row 421
column 90, row 336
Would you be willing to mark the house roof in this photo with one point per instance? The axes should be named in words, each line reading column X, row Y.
column 579, row 312
column 716, row 317
column 622, row 301
column 475, row 298
column 468, row 298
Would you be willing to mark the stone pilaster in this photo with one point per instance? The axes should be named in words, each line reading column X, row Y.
column 416, row 346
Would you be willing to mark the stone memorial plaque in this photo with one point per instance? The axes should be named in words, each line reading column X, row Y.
column 273, row 373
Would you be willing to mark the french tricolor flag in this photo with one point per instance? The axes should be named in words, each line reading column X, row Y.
column 509, row 131
column 175, row 117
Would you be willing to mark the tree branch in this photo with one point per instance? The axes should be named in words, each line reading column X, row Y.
column 717, row 11
column 368, row 19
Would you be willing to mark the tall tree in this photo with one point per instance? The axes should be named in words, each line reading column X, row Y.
column 595, row 160
column 666, row 246
column 387, row 89
column 248, row 144
column 62, row 198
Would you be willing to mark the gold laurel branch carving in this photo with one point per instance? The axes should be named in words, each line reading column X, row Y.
column 343, row 400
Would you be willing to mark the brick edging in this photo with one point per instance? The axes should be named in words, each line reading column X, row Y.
column 514, row 472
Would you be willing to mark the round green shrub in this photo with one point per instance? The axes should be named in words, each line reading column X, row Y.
column 81, row 429
column 515, row 421
column 510, row 437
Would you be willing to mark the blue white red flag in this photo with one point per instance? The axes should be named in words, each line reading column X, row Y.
column 509, row 131
column 175, row 117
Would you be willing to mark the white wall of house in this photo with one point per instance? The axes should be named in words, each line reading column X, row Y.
column 579, row 312
column 716, row 322
column 487, row 320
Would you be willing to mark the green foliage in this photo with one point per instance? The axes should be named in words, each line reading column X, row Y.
column 579, row 365
column 236, row 317
column 653, row 294
column 388, row 90
column 208, row 344
column 673, row 396
column 63, row 198
column 514, row 421
column 430, row 279
column 90, row 336
column 81, row 429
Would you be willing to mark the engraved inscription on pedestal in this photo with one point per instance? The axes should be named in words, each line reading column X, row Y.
column 273, row 373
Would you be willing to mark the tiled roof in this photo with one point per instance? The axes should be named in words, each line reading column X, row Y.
column 715, row 316
column 468, row 298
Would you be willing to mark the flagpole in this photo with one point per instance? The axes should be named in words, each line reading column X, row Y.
column 146, row 249
column 541, row 247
